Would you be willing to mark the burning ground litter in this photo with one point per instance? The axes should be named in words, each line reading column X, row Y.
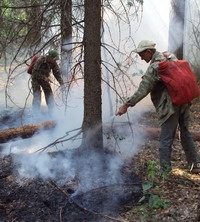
column 89, row 196
column 72, row 197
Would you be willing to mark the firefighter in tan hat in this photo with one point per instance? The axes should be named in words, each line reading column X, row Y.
column 170, row 116
column 41, row 81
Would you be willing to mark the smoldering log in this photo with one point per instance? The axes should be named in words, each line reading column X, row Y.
column 25, row 131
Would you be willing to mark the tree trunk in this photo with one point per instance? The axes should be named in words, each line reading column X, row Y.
column 176, row 28
column 24, row 131
column 92, row 122
column 34, row 29
column 66, row 36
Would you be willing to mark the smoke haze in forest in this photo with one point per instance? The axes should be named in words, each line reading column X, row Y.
column 154, row 26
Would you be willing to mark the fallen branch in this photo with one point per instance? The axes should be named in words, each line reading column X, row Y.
column 29, row 130
column 61, row 139
column 24, row 131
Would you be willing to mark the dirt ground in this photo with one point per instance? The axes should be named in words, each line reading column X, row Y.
column 176, row 196
column 180, row 190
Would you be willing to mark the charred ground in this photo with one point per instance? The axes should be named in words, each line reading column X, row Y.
column 47, row 200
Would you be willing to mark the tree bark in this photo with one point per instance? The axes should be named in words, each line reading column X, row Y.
column 24, row 131
column 92, row 122
column 66, row 37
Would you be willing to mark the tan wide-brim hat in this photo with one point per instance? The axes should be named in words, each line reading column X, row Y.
column 143, row 45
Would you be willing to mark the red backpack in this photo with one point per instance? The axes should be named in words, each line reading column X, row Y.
column 180, row 81
column 30, row 68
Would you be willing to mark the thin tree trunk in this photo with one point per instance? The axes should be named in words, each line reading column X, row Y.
column 66, row 36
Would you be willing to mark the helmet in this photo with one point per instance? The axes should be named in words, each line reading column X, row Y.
column 53, row 54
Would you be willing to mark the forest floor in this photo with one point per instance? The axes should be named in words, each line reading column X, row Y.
column 167, row 198
column 173, row 197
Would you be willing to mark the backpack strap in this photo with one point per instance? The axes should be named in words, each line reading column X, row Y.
column 42, row 60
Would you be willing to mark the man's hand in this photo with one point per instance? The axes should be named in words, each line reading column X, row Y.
column 122, row 109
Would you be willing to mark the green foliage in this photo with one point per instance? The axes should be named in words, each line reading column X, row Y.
column 10, row 13
column 156, row 202
column 149, row 200
column 12, row 24
column 154, row 173
column 143, row 211
column 147, row 185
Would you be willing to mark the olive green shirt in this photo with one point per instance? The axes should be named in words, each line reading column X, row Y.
column 43, row 67
column 152, row 83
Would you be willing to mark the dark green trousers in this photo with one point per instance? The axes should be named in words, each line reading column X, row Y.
column 168, row 130
column 38, row 86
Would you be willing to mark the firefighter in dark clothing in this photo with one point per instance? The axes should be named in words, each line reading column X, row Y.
column 40, row 79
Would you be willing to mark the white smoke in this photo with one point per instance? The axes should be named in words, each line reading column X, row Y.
column 191, row 32
column 69, row 116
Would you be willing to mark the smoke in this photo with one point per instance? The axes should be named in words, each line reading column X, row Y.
column 155, row 23
column 42, row 165
column 118, row 135
column 96, row 168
